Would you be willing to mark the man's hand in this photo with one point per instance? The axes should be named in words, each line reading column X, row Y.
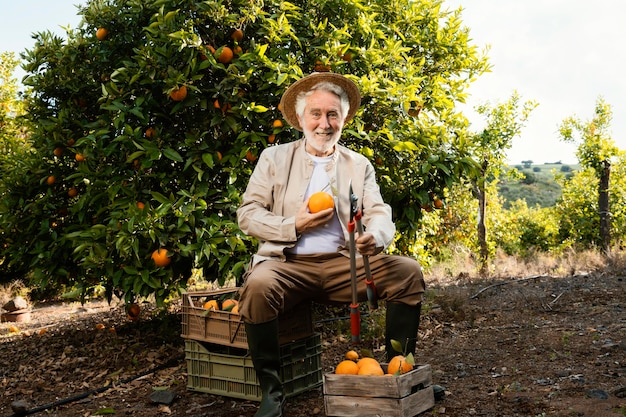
column 306, row 220
column 366, row 244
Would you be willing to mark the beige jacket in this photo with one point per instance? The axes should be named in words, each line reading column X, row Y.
column 276, row 191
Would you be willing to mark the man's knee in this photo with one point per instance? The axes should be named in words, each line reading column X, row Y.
column 408, row 268
column 260, row 299
column 255, row 287
column 255, row 283
column 407, row 283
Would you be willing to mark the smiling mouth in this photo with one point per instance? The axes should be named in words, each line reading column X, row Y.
column 325, row 134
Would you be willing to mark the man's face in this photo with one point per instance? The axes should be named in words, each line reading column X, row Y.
column 321, row 122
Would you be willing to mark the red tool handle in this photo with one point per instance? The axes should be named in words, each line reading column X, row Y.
column 355, row 323
column 355, row 315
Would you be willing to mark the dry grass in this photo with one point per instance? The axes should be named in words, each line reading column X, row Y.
column 464, row 268
column 450, row 285
column 11, row 290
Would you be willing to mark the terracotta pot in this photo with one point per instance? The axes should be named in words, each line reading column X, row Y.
column 17, row 316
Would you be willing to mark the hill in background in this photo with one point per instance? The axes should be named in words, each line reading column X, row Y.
column 538, row 187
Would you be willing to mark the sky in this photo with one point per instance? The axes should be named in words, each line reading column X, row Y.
column 25, row 17
column 562, row 54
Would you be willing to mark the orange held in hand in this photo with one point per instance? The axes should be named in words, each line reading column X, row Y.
column 320, row 201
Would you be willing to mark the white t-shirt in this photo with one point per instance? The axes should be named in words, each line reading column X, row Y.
column 327, row 238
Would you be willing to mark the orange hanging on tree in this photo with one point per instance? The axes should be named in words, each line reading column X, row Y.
column 160, row 257
column 179, row 94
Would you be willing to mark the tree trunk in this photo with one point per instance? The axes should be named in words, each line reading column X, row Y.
column 481, row 195
column 482, row 231
column 603, row 206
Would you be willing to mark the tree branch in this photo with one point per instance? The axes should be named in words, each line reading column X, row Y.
column 498, row 284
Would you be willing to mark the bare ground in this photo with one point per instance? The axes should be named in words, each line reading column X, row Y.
column 539, row 346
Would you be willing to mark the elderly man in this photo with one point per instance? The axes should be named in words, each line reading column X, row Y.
column 303, row 255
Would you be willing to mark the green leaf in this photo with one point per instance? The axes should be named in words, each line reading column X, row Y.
column 207, row 158
column 170, row 15
column 130, row 270
column 366, row 353
column 405, row 146
column 134, row 156
column 161, row 198
column 281, row 79
column 397, row 346
column 257, row 108
column 172, row 154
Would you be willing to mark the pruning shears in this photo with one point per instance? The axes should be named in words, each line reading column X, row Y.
column 355, row 225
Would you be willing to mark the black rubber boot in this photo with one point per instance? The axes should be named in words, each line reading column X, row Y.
column 401, row 323
column 265, row 352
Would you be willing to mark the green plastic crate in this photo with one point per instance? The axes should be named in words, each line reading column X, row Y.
column 231, row 374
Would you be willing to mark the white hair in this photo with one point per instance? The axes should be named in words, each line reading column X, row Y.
column 324, row 86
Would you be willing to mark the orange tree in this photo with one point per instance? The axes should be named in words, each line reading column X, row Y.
column 15, row 151
column 504, row 122
column 151, row 115
column 578, row 217
column 596, row 151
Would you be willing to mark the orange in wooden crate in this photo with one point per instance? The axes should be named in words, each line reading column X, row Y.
column 405, row 395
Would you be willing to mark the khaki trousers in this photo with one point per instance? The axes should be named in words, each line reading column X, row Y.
column 274, row 287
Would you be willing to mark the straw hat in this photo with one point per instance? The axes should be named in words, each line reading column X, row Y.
column 288, row 100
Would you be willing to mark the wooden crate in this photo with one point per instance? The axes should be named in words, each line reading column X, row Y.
column 405, row 395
